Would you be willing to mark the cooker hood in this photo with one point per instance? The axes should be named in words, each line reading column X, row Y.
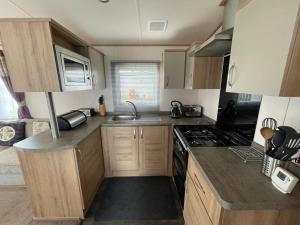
column 220, row 42
column 217, row 45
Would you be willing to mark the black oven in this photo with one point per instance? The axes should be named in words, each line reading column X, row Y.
column 180, row 162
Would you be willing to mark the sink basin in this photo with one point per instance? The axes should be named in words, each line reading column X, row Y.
column 123, row 117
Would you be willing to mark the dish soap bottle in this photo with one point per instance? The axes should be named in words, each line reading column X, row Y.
column 102, row 106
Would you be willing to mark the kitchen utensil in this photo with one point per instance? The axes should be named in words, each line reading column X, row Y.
column 267, row 134
column 283, row 180
column 276, row 141
column 176, row 109
column 289, row 147
column 270, row 122
column 287, row 129
column 270, row 164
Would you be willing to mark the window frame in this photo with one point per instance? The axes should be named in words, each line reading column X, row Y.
column 121, row 106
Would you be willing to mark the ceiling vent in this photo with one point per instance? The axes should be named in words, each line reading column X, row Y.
column 157, row 25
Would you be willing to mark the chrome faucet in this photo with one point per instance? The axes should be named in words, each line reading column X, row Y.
column 133, row 108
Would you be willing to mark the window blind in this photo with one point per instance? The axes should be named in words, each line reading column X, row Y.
column 137, row 82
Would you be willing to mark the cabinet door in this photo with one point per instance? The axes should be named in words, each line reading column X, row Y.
column 194, row 212
column 262, row 38
column 189, row 72
column 91, row 166
column 123, row 149
column 153, row 147
column 98, row 71
column 207, row 72
column 29, row 55
column 174, row 69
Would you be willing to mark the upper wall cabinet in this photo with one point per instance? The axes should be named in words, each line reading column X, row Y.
column 265, row 51
column 203, row 72
column 98, row 72
column 30, row 57
column 173, row 69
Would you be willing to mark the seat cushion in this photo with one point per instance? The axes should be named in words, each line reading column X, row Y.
column 11, row 132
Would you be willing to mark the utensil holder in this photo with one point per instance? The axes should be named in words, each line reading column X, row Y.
column 270, row 164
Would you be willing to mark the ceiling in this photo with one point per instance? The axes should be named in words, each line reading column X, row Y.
column 124, row 22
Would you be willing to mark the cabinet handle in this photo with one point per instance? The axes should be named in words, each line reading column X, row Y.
column 230, row 75
column 198, row 184
column 134, row 133
column 78, row 150
column 142, row 135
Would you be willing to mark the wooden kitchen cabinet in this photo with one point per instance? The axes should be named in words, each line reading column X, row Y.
column 153, row 149
column 98, row 69
column 30, row 57
column 173, row 69
column 63, row 183
column 201, row 206
column 136, row 151
column 265, row 49
column 123, row 149
column 203, row 72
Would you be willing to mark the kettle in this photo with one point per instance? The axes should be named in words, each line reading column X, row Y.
column 176, row 109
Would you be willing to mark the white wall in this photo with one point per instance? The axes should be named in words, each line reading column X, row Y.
column 285, row 110
column 65, row 102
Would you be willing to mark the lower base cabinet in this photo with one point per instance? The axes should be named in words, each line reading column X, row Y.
column 202, row 208
column 63, row 183
column 136, row 151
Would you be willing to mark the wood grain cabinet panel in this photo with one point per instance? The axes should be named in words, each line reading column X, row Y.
column 63, row 183
column 28, row 48
column 203, row 72
column 123, row 148
column 153, row 147
column 202, row 208
column 29, row 55
column 136, row 151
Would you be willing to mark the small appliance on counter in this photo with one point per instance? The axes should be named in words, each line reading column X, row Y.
column 192, row 110
column 87, row 111
column 176, row 109
column 70, row 120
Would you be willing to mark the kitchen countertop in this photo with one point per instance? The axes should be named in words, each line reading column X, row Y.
column 238, row 185
column 70, row 139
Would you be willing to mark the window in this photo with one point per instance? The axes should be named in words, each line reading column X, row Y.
column 8, row 106
column 137, row 82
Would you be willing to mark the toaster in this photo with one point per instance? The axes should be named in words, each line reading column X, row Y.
column 192, row 110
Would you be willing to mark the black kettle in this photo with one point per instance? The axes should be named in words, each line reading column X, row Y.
column 176, row 107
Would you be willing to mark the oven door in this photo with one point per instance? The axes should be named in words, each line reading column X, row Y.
column 180, row 160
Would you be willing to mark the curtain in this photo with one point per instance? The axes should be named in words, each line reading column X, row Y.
column 23, row 111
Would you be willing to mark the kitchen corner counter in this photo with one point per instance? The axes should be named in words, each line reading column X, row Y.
column 238, row 185
column 70, row 139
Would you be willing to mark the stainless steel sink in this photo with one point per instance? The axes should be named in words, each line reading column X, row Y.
column 123, row 117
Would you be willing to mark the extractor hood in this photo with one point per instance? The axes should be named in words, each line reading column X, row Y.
column 219, row 43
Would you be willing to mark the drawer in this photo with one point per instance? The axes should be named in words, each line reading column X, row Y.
column 194, row 210
column 212, row 206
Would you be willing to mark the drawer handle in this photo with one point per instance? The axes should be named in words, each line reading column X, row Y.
column 142, row 135
column 198, row 184
column 134, row 133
